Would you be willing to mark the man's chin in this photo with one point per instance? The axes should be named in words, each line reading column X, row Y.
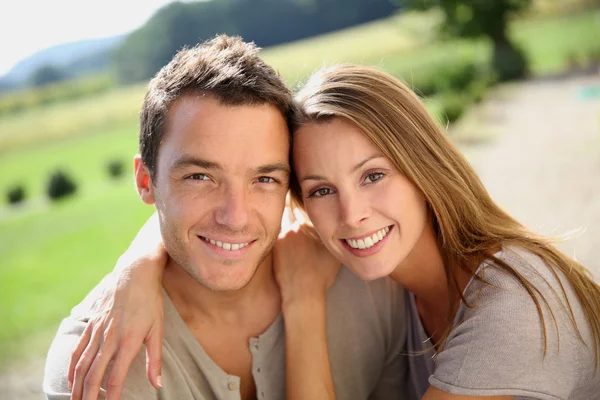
column 226, row 281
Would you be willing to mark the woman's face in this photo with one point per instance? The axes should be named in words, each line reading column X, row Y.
column 367, row 214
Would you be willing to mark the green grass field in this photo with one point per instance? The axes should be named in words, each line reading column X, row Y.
column 53, row 254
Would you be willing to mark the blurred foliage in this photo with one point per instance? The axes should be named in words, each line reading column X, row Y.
column 45, row 75
column 555, row 8
column 15, row 194
column 60, row 185
column 115, row 168
column 13, row 102
column 453, row 105
column 475, row 18
column 104, row 111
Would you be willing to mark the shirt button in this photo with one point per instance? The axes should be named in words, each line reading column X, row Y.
column 256, row 347
column 232, row 386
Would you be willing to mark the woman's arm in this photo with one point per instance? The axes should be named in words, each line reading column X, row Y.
column 434, row 393
column 308, row 371
column 304, row 270
column 129, row 313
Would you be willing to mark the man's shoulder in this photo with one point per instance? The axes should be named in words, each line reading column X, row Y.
column 351, row 288
column 57, row 362
column 55, row 384
column 379, row 301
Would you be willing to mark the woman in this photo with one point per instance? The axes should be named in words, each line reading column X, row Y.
column 494, row 310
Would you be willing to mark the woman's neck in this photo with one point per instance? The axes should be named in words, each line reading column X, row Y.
column 423, row 273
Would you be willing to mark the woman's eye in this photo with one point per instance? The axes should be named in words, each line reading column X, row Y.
column 374, row 177
column 198, row 177
column 321, row 192
column 266, row 179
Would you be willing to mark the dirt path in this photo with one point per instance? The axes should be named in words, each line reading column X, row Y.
column 542, row 164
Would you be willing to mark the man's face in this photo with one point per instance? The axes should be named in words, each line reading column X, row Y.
column 220, row 185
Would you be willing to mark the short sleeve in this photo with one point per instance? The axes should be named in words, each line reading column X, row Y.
column 497, row 346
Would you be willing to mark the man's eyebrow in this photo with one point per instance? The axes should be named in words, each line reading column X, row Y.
column 270, row 168
column 187, row 161
column 357, row 166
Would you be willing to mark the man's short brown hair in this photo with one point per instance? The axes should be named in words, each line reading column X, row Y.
column 225, row 67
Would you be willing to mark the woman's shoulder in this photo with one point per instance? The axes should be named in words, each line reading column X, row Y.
column 520, row 290
column 500, row 340
column 525, row 269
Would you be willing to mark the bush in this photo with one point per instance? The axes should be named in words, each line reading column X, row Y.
column 60, row 185
column 16, row 194
column 509, row 63
column 455, row 77
column 115, row 169
column 477, row 90
column 453, row 106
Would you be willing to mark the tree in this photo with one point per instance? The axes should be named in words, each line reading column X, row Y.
column 474, row 18
column 46, row 74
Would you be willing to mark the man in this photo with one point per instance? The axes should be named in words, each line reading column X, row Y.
column 214, row 144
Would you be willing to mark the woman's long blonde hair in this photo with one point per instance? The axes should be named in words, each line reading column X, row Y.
column 468, row 224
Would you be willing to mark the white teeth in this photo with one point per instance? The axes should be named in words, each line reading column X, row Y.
column 374, row 238
column 224, row 245
column 369, row 241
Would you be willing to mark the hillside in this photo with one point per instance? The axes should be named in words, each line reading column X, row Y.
column 76, row 57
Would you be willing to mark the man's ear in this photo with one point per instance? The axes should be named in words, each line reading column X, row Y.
column 143, row 181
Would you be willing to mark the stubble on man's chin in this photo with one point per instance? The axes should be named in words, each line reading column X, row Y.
column 180, row 260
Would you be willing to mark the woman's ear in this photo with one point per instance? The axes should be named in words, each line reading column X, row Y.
column 143, row 181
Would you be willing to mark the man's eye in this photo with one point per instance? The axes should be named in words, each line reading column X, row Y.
column 321, row 192
column 198, row 177
column 266, row 179
column 374, row 177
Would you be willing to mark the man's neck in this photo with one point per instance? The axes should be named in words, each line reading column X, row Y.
column 257, row 304
column 223, row 322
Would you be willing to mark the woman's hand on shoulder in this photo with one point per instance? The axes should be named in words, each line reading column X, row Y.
column 304, row 268
column 127, row 314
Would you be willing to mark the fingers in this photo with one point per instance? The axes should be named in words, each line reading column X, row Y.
column 84, row 340
column 118, row 374
column 154, row 355
column 85, row 362
column 94, row 376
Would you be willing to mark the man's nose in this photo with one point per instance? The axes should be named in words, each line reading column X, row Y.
column 233, row 211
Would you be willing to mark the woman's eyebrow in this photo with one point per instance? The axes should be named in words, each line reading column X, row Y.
column 357, row 166
column 366, row 160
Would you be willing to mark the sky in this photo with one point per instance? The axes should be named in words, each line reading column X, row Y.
column 27, row 26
